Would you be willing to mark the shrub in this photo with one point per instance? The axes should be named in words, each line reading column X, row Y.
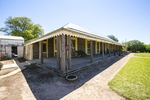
column 3, row 57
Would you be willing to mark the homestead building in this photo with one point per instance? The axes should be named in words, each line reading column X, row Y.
column 69, row 48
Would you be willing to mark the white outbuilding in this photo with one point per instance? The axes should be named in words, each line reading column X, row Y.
column 11, row 46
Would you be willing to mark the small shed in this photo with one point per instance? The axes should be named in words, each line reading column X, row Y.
column 11, row 46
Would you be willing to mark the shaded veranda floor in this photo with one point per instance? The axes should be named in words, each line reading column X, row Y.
column 77, row 62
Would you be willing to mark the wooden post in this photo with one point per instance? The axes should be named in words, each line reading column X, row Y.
column 119, row 50
column 63, row 54
column 102, row 50
column 109, row 49
column 58, row 52
column 42, row 52
column 69, row 53
column 1, row 51
column 114, row 49
column 5, row 50
column 39, row 50
column 104, row 47
column 91, row 49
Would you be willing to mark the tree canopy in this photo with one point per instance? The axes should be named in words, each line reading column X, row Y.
column 135, row 46
column 147, row 47
column 113, row 37
column 22, row 26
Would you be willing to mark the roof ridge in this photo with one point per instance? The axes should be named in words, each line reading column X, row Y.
column 85, row 30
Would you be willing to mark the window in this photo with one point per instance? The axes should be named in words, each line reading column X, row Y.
column 73, row 44
column 45, row 48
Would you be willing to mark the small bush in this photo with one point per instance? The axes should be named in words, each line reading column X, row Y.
column 3, row 57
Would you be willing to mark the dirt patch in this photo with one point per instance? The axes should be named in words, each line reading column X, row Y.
column 37, row 74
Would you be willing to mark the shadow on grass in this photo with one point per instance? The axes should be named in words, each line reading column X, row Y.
column 45, row 85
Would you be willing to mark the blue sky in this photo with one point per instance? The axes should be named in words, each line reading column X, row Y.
column 125, row 19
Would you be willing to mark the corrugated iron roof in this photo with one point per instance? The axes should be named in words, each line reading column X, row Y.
column 11, row 37
column 82, row 33
column 85, row 31
column 11, row 40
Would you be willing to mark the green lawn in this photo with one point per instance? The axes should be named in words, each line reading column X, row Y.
column 142, row 54
column 133, row 81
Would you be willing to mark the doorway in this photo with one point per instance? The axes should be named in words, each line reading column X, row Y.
column 14, row 51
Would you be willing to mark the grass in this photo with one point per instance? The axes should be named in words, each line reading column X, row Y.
column 133, row 81
column 142, row 54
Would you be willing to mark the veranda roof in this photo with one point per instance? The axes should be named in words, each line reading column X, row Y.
column 11, row 40
column 75, row 31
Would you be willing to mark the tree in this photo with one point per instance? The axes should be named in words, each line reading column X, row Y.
column 135, row 46
column 147, row 46
column 113, row 37
column 22, row 26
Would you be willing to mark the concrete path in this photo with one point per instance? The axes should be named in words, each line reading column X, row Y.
column 13, row 85
column 97, row 88
column 8, row 65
